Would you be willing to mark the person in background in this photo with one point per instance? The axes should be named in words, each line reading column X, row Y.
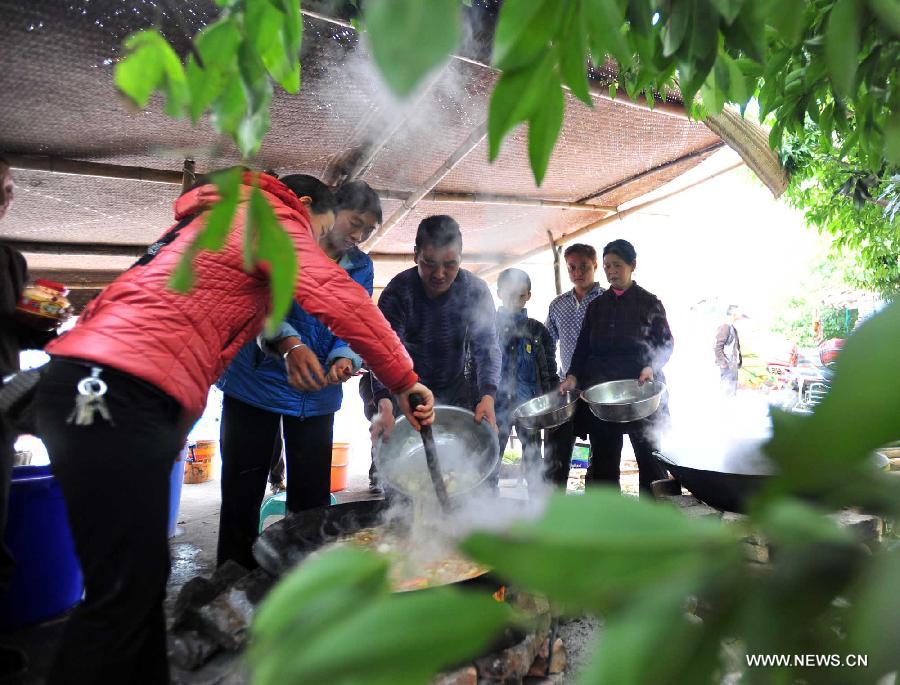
column 125, row 384
column 728, row 350
column 625, row 335
column 259, row 400
column 564, row 324
column 528, row 366
column 14, row 337
column 445, row 317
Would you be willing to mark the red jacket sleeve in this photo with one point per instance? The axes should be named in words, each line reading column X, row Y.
column 327, row 292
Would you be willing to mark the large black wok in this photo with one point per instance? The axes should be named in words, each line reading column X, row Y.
column 289, row 541
column 731, row 486
column 725, row 491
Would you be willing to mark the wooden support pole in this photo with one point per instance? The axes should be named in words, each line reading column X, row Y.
column 557, row 276
column 59, row 165
column 188, row 177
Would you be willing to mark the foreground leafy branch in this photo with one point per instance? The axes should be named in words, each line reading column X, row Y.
column 644, row 566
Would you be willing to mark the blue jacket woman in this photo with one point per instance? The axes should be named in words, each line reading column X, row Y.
column 259, row 398
column 258, row 378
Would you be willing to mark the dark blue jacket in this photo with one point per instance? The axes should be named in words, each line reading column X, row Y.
column 261, row 380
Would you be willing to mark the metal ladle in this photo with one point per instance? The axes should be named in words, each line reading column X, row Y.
column 431, row 458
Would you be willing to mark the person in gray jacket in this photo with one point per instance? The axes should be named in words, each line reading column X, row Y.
column 728, row 350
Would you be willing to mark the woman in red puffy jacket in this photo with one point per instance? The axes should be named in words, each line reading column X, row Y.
column 125, row 384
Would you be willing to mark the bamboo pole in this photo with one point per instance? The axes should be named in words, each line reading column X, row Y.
column 492, row 199
column 60, row 165
column 469, row 144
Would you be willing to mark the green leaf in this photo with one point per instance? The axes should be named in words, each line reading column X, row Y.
column 524, row 31
column 218, row 45
column 139, row 73
column 221, row 216
column 182, row 278
column 265, row 25
column 381, row 639
column 676, row 27
column 716, row 87
column 892, row 138
column 888, row 12
column 738, row 90
column 692, row 74
column 651, row 641
column 543, row 128
column 604, row 21
column 151, row 63
column 213, row 234
column 876, row 621
column 842, row 44
column 409, row 38
column 229, row 108
column 618, row 544
column 791, row 522
column 704, row 30
column 342, row 568
column 573, row 57
column 258, row 91
column 293, row 26
column 787, row 18
column 516, row 97
column 860, row 412
column 730, row 9
column 746, row 33
column 275, row 248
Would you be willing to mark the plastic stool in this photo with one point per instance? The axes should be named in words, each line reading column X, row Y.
column 276, row 505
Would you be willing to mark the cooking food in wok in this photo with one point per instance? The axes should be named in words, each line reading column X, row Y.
column 288, row 542
column 410, row 569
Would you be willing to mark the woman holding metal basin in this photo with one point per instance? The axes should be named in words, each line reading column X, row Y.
column 625, row 335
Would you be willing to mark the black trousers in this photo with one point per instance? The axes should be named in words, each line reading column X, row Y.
column 276, row 472
column 606, row 451
column 115, row 480
column 247, row 439
column 559, row 443
column 532, row 462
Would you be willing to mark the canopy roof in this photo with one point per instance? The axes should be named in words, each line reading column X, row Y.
column 427, row 155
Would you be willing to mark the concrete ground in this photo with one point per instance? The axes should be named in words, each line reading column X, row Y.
column 193, row 552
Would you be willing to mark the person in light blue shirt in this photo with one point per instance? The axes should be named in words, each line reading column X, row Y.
column 564, row 321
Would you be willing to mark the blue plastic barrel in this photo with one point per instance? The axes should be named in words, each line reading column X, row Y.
column 176, row 480
column 47, row 580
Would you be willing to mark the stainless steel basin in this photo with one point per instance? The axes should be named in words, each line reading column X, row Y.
column 624, row 401
column 547, row 411
column 467, row 452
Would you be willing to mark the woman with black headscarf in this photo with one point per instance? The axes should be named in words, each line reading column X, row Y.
column 625, row 334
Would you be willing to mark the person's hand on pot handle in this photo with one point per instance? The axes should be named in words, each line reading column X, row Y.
column 383, row 422
column 484, row 411
column 646, row 375
column 423, row 414
column 568, row 385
